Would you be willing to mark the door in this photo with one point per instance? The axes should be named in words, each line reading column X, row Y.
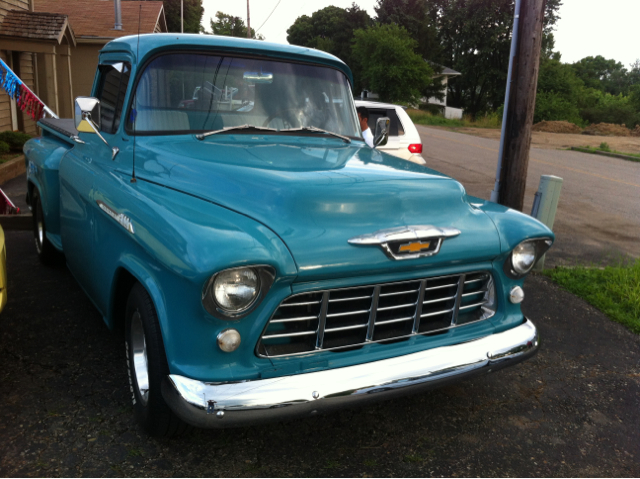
column 87, row 164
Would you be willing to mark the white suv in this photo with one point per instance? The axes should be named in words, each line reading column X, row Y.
column 404, row 139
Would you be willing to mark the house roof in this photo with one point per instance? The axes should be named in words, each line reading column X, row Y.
column 93, row 19
column 36, row 26
column 446, row 71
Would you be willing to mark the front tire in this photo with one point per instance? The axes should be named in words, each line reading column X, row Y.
column 147, row 366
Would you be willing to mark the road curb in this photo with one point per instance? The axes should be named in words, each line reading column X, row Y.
column 604, row 153
column 11, row 169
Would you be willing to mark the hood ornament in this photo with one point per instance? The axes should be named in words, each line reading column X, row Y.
column 407, row 242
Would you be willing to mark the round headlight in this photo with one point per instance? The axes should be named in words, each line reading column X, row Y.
column 523, row 257
column 235, row 290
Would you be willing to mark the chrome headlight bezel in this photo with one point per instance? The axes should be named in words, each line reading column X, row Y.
column 540, row 247
column 265, row 274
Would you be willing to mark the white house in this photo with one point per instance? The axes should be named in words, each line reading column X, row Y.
column 446, row 73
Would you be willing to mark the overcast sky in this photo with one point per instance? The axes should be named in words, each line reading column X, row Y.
column 587, row 27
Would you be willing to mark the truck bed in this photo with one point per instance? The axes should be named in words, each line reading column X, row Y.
column 64, row 128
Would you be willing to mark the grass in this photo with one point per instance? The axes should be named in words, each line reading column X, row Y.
column 605, row 148
column 420, row 117
column 614, row 290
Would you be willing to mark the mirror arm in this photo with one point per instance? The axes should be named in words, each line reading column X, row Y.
column 115, row 150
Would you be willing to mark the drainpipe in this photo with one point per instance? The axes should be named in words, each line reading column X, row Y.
column 495, row 194
column 118, row 8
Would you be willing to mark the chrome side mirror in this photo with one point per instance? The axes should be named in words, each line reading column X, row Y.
column 381, row 135
column 87, row 119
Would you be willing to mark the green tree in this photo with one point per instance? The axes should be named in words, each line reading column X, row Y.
column 193, row 11
column 597, row 72
column 475, row 36
column 559, row 90
column 331, row 30
column 418, row 18
column 231, row 26
column 389, row 64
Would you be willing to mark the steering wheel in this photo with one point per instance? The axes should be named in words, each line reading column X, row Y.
column 296, row 114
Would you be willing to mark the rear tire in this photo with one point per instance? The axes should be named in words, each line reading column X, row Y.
column 47, row 253
column 147, row 366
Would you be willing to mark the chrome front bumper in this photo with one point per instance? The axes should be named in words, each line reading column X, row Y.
column 217, row 405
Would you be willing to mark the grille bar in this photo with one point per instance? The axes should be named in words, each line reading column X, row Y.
column 353, row 317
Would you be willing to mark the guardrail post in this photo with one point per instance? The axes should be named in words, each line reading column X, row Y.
column 545, row 205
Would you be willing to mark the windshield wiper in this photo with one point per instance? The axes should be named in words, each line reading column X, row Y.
column 318, row 130
column 202, row 136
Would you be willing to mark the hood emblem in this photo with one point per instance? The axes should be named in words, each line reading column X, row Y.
column 407, row 242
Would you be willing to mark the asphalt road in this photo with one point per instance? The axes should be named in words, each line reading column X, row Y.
column 598, row 217
column 65, row 408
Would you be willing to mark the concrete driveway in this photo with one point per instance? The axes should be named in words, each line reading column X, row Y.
column 65, row 407
column 598, row 218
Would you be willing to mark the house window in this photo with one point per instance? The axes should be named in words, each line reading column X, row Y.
column 111, row 92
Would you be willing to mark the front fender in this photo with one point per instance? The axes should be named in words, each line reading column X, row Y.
column 178, row 243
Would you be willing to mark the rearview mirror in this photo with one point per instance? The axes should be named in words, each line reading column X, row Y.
column 381, row 135
column 258, row 77
column 87, row 119
column 87, row 110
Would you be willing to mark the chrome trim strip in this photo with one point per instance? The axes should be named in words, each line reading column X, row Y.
column 322, row 319
column 431, row 301
column 456, row 307
column 345, row 328
column 293, row 320
column 249, row 402
column 417, row 316
column 289, row 335
column 355, row 298
column 433, row 288
column 391, row 321
column 414, row 233
column 301, row 304
column 399, row 292
column 374, row 312
column 122, row 219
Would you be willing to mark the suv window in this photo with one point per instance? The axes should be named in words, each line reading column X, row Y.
column 111, row 91
column 395, row 127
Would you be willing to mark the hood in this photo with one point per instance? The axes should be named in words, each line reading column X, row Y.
column 317, row 193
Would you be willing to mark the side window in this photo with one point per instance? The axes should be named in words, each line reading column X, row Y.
column 111, row 91
column 395, row 127
column 396, row 130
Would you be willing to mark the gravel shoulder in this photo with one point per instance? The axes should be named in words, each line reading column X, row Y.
column 555, row 141
column 64, row 404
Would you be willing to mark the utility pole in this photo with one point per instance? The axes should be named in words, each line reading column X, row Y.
column 181, row 16
column 521, row 105
column 248, row 21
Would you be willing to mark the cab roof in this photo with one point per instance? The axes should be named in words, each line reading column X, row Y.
column 144, row 46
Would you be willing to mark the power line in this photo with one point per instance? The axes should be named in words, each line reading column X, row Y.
column 274, row 9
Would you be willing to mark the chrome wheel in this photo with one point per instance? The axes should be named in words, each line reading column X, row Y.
column 139, row 353
column 39, row 233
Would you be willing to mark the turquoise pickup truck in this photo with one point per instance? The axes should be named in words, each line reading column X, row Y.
column 216, row 201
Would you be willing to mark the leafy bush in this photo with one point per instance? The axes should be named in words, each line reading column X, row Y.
column 607, row 108
column 553, row 106
column 4, row 147
column 14, row 139
column 604, row 146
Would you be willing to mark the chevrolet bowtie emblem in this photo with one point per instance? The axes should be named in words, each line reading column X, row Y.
column 414, row 247
column 407, row 242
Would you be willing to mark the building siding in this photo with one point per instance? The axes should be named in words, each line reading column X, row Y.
column 26, row 74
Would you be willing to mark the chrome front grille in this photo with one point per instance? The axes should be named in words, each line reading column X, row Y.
column 351, row 317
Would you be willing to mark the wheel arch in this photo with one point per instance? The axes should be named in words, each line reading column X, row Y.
column 130, row 271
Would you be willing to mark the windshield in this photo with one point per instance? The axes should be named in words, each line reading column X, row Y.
column 194, row 93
